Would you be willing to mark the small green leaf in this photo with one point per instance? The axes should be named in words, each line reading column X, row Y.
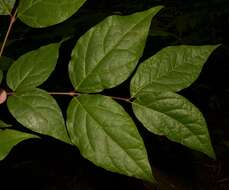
column 107, row 136
column 38, row 111
column 107, row 54
column 171, row 115
column 4, row 125
column 43, row 13
column 173, row 68
column 33, row 68
column 9, row 138
column 6, row 6
column 1, row 76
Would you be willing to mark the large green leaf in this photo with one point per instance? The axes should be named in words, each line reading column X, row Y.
column 39, row 112
column 43, row 13
column 108, row 53
column 107, row 136
column 171, row 115
column 33, row 68
column 9, row 138
column 1, row 76
column 6, row 6
column 4, row 125
column 173, row 68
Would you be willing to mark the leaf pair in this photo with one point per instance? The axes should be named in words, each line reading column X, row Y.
column 32, row 107
column 103, row 58
column 42, row 13
column 159, row 108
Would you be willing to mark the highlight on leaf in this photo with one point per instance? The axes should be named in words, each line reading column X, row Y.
column 107, row 54
column 171, row 115
column 106, row 135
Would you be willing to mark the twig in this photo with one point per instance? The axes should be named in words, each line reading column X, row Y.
column 12, row 20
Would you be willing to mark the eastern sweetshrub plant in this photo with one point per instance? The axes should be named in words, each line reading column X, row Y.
column 103, row 58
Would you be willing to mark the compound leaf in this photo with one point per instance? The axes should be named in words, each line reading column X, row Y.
column 6, row 6
column 106, row 55
column 9, row 138
column 33, row 68
column 107, row 136
column 171, row 115
column 43, row 13
column 38, row 111
column 173, row 68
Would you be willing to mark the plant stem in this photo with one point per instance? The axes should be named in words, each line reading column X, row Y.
column 64, row 93
column 72, row 93
column 12, row 20
column 77, row 94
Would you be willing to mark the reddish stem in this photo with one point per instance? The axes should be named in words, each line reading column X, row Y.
column 12, row 20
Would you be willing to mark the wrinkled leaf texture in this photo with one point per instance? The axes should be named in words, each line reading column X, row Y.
column 171, row 115
column 106, row 55
column 33, row 68
column 172, row 69
column 38, row 111
column 106, row 135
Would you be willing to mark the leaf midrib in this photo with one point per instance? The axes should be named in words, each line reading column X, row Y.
column 110, row 51
column 98, row 122
column 150, row 109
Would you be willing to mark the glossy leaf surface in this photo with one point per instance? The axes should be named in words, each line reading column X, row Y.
column 33, row 68
column 43, row 13
column 38, row 111
column 173, row 68
column 9, row 138
column 107, row 136
column 173, row 116
column 106, row 55
column 6, row 6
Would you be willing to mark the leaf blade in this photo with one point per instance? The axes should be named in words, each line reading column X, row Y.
column 106, row 55
column 107, row 136
column 43, row 13
column 38, row 111
column 6, row 7
column 33, row 68
column 173, row 68
column 9, row 138
column 171, row 115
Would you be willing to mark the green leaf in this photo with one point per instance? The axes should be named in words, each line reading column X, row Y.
column 33, row 68
column 1, row 76
column 43, row 13
column 4, row 125
column 106, row 55
column 38, row 111
column 107, row 136
column 9, row 138
column 171, row 115
column 6, row 6
column 173, row 68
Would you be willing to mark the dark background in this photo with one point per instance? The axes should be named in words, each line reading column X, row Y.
column 52, row 165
